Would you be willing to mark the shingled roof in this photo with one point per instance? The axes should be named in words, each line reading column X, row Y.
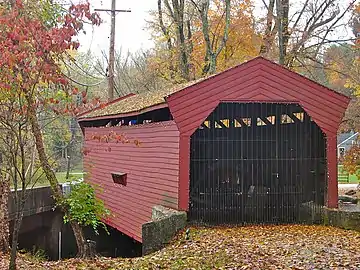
column 135, row 102
column 139, row 103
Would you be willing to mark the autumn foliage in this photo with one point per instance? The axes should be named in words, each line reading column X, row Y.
column 242, row 43
column 32, row 54
column 105, row 141
column 247, row 248
column 34, row 45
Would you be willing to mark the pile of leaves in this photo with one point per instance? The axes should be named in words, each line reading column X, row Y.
column 252, row 247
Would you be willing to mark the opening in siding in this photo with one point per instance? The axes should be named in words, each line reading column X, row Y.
column 119, row 178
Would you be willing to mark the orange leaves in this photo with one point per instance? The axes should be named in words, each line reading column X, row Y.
column 351, row 160
column 253, row 247
column 110, row 137
column 242, row 42
column 103, row 141
column 75, row 91
column 137, row 142
column 102, row 105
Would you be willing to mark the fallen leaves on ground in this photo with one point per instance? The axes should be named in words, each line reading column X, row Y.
column 253, row 247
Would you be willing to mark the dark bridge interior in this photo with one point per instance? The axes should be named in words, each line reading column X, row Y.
column 256, row 163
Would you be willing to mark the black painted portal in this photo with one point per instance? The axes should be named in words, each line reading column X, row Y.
column 256, row 163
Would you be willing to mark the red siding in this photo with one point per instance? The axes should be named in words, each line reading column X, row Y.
column 258, row 80
column 152, row 172
column 257, row 77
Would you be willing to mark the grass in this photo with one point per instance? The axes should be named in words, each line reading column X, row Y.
column 353, row 179
column 61, row 177
column 77, row 173
column 74, row 175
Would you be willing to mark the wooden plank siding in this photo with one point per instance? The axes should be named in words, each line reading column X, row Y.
column 190, row 109
column 258, row 80
column 152, row 170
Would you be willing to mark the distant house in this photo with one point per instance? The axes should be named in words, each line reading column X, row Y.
column 345, row 141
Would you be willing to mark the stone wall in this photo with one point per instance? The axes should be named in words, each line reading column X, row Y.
column 38, row 200
column 346, row 217
column 348, row 220
column 161, row 229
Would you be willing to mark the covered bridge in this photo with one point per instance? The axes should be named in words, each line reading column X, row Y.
column 249, row 145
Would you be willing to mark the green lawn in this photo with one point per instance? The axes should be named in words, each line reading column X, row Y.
column 61, row 176
column 75, row 175
column 343, row 178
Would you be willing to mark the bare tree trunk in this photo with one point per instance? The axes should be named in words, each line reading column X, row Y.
column 32, row 163
column 20, row 203
column 4, row 214
column 212, row 53
column 178, row 14
column 69, row 146
column 282, row 7
column 57, row 192
column 20, row 172
column 166, row 34
column 285, row 25
column 270, row 31
column 68, row 163
column 85, row 250
column 280, row 19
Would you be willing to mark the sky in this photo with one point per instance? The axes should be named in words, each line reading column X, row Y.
column 130, row 31
column 131, row 34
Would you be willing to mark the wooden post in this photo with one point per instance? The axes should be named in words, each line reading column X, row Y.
column 332, row 190
column 184, row 173
column 111, row 82
column 112, row 53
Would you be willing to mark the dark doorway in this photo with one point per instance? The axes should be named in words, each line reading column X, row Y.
column 256, row 163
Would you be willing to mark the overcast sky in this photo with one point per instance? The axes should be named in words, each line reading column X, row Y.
column 130, row 27
column 130, row 32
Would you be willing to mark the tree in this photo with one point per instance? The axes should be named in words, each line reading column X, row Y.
column 13, row 143
column 220, row 34
column 229, row 38
column 32, row 52
column 4, row 220
column 134, row 72
column 16, row 152
column 343, row 69
column 212, row 53
column 16, row 149
column 304, row 32
column 175, row 11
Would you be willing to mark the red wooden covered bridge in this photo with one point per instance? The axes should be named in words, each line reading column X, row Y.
column 249, row 145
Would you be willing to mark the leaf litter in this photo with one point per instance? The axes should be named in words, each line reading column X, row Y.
column 295, row 247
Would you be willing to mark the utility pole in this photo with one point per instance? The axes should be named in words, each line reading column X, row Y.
column 111, row 68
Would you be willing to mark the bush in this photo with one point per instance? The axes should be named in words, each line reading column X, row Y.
column 84, row 207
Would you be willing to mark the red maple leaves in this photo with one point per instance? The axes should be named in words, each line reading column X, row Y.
column 32, row 54
column 100, row 139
